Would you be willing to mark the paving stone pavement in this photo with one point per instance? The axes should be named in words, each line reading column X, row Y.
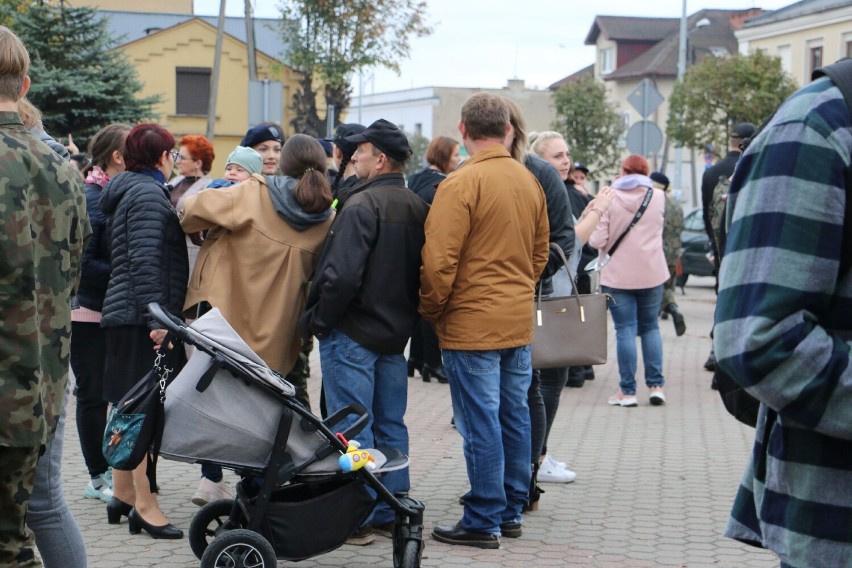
column 654, row 484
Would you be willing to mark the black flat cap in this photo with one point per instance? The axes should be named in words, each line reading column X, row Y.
column 386, row 137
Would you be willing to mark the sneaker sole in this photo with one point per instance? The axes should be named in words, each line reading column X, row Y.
column 363, row 541
column 657, row 401
column 547, row 479
column 624, row 404
column 486, row 544
column 90, row 493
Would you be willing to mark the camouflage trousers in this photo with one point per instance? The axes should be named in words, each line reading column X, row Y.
column 669, row 288
column 17, row 477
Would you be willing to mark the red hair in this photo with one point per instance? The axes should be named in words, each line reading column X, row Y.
column 635, row 164
column 144, row 146
column 199, row 148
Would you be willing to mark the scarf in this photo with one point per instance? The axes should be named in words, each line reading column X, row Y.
column 97, row 176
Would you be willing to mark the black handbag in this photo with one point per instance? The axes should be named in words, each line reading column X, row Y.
column 135, row 423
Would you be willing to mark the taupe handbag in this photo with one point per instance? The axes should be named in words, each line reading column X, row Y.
column 569, row 331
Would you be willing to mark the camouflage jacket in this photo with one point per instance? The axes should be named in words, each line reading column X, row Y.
column 671, row 229
column 43, row 210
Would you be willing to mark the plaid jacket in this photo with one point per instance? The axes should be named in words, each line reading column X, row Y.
column 783, row 330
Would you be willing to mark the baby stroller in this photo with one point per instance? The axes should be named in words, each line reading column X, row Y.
column 294, row 501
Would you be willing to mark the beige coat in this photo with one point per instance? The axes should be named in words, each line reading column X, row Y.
column 486, row 246
column 253, row 266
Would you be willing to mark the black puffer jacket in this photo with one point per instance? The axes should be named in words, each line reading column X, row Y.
column 149, row 261
column 94, row 274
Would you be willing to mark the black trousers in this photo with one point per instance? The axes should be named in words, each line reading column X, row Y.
column 88, row 347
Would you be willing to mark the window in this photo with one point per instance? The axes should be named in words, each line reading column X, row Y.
column 193, row 90
column 848, row 48
column 625, row 122
column 815, row 58
column 785, row 54
column 607, row 61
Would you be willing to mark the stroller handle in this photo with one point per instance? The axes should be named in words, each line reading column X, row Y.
column 170, row 322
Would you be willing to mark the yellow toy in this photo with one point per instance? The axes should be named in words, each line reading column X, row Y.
column 356, row 458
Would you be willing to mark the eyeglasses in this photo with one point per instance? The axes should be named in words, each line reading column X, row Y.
column 175, row 155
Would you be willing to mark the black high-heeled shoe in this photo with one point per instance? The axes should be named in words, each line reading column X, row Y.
column 412, row 366
column 137, row 524
column 116, row 508
column 429, row 372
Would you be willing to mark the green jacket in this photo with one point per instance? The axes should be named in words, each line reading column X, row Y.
column 672, row 227
column 43, row 211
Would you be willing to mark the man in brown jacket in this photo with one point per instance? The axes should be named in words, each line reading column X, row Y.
column 486, row 246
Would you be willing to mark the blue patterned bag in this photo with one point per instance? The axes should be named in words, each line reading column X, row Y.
column 135, row 423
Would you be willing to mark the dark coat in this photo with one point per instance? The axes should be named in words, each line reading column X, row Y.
column 368, row 280
column 94, row 274
column 424, row 182
column 724, row 167
column 149, row 259
column 558, row 215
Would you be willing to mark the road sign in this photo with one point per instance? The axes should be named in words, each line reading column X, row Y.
column 644, row 138
column 645, row 98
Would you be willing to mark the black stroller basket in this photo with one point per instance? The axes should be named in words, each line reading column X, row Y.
column 293, row 502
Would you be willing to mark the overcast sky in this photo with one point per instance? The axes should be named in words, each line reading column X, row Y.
column 483, row 43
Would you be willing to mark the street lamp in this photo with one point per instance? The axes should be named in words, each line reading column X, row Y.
column 681, row 69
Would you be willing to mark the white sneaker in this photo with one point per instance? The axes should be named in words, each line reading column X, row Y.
column 657, row 396
column 551, row 472
column 563, row 465
column 621, row 399
column 99, row 488
column 209, row 491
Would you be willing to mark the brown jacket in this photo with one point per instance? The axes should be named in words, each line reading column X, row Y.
column 253, row 266
column 486, row 246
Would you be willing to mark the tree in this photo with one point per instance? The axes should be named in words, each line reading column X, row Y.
column 77, row 82
column 329, row 40
column 589, row 123
column 419, row 144
column 719, row 92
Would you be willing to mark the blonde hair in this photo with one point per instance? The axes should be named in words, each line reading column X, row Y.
column 538, row 139
column 519, row 127
column 29, row 113
column 14, row 64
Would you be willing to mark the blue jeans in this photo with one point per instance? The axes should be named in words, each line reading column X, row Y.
column 57, row 535
column 634, row 312
column 489, row 392
column 379, row 383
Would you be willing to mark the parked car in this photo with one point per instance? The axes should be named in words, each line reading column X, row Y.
column 695, row 257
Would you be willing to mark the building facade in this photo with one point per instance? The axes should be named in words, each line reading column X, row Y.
column 805, row 35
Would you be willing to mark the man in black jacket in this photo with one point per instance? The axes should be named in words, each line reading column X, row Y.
column 363, row 302
column 724, row 167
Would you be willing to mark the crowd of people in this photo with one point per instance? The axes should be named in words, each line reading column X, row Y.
column 292, row 249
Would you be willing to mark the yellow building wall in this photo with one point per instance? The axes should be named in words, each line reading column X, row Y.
column 192, row 44
column 833, row 39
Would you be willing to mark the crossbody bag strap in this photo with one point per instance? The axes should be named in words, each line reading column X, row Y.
column 645, row 202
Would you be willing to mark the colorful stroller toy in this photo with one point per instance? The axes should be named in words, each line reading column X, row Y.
column 294, row 500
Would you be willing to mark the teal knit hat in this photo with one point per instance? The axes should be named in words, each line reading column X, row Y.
column 246, row 158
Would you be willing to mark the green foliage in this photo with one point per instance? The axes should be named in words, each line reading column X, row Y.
column 329, row 40
column 718, row 93
column 78, row 84
column 419, row 144
column 590, row 125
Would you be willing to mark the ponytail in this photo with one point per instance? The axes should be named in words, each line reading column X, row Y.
column 337, row 179
column 312, row 191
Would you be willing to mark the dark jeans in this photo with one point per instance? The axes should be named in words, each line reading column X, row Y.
column 543, row 399
column 88, row 346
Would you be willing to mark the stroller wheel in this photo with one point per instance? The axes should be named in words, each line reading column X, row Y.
column 239, row 548
column 210, row 521
column 407, row 550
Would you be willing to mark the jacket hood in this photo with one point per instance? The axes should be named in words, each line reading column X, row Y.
column 281, row 192
column 116, row 188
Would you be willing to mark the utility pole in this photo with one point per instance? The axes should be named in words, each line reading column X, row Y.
column 214, row 77
column 681, row 69
column 252, row 61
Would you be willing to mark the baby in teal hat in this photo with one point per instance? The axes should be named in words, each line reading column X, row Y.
column 241, row 164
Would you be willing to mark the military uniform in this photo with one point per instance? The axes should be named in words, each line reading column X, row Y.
column 672, row 228
column 43, row 208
